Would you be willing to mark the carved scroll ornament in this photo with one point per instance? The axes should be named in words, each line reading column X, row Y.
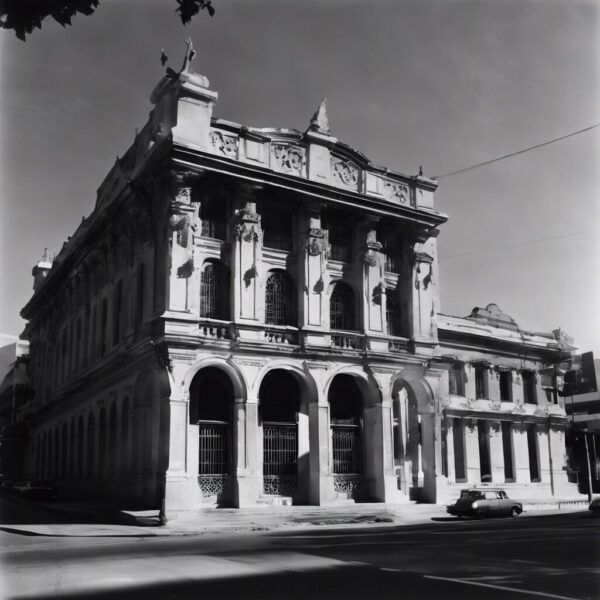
column 344, row 172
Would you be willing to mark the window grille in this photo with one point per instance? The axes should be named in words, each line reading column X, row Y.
column 277, row 227
column 392, row 312
column 532, row 446
column 458, row 436
column 214, row 456
column 214, row 292
column 341, row 307
column 347, row 449
column 280, row 457
column 509, row 474
column 213, row 216
column 279, row 300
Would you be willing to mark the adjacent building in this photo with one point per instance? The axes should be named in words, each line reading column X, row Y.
column 252, row 316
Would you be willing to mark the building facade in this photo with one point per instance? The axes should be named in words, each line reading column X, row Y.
column 252, row 316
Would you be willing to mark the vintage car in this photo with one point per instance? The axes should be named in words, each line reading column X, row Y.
column 484, row 502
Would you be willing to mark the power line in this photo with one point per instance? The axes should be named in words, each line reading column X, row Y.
column 493, row 160
column 518, row 244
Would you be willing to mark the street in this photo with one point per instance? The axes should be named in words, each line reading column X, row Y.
column 538, row 555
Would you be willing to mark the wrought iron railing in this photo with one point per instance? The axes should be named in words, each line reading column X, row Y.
column 280, row 458
column 214, row 457
column 347, row 459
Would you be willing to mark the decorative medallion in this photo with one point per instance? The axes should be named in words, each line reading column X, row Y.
column 344, row 172
column 314, row 246
column 289, row 158
column 225, row 145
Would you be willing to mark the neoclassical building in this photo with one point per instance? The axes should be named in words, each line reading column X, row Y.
column 251, row 316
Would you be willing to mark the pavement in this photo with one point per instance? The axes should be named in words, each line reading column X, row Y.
column 83, row 519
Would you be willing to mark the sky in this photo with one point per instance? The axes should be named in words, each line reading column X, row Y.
column 440, row 83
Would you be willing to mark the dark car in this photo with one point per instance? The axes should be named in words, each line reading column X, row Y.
column 595, row 506
column 37, row 489
column 484, row 502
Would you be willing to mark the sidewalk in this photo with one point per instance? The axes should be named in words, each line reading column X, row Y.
column 89, row 519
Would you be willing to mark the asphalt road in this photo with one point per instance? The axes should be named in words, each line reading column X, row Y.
column 538, row 556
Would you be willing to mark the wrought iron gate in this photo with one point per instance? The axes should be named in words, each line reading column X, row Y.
column 347, row 458
column 214, row 457
column 280, row 458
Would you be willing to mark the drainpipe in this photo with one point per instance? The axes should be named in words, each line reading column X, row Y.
column 550, row 458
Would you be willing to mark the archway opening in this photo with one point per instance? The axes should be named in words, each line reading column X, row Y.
column 211, row 410
column 279, row 396
column 346, row 418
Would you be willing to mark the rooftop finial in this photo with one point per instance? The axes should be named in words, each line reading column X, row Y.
column 320, row 121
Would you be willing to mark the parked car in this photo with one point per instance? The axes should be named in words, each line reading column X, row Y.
column 37, row 489
column 595, row 506
column 484, row 502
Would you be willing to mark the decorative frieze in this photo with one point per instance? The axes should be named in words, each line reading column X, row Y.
column 396, row 192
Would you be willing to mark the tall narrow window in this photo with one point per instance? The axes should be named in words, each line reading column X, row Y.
column 392, row 247
column 392, row 312
column 117, row 311
column 103, row 328
column 77, row 359
column 141, row 284
column 280, row 305
column 277, row 227
column 341, row 307
column 480, row 391
column 485, row 470
column 505, row 386
column 213, row 216
column 532, row 446
column 529, row 395
column 456, row 380
column 214, row 291
column 507, row 450
column 340, row 239
column 458, row 436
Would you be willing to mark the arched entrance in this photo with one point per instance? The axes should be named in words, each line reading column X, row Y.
column 211, row 411
column 279, row 397
column 346, row 419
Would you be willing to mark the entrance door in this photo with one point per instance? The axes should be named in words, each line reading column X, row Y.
column 279, row 405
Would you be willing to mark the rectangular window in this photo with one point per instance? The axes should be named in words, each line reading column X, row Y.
column 505, row 386
column 485, row 470
column 459, row 451
column 392, row 312
column 213, row 216
column 277, row 226
column 529, row 395
column 507, row 450
column 532, row 446
column 480, row 391
column 456, row 381
column 392, row 246
column 340, row 239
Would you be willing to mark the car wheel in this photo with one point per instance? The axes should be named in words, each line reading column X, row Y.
column 514, row 512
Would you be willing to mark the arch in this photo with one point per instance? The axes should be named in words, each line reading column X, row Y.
column 211, row 396
column 280, row 299
column 308, row 387
column 236, row 376
column 214, row 291
column 342, row 307
column 279, row 396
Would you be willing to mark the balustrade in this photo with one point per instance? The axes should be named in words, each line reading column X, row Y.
column 347, row 341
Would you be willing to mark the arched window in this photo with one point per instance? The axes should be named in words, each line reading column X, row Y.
column 214, row 291
column 341, row 307
column 280, row 300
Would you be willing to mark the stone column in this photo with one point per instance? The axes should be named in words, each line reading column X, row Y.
column 246, row 465
column 543, row 454
column 450, row 448
column 496, row 451
column 373, row 286
column 472, row 466
column 181, row 247
column 247, row 256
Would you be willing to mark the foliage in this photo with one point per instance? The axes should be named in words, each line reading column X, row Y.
column 23, row 16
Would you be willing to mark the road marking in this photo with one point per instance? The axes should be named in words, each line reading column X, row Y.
column 501, row 587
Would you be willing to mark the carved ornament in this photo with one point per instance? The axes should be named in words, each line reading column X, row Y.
column 344, row 172
column 289, row 158
column 396, row 192
column 314, row 246
column 225, row 145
